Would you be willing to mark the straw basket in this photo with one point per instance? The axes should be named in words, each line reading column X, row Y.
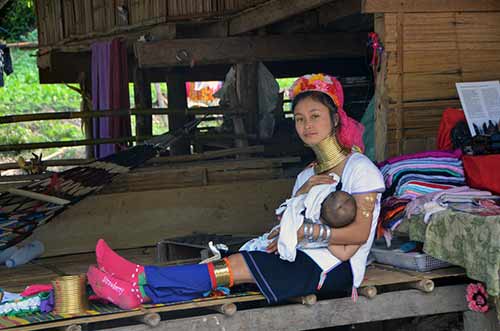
column 70, row 294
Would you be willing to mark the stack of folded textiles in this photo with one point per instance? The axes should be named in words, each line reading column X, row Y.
column 410, row 176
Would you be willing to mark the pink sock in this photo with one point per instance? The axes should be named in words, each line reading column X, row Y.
column 119, row 292
column 115, row 265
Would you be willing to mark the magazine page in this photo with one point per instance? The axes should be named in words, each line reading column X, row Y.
column 481, row 104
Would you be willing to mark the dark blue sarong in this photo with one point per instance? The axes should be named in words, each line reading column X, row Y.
column 278, row 279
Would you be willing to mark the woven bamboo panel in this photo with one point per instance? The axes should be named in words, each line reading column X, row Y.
column 184, row 8
column 83, row 17
column 147, row 11
column 51, row 24
column 103, row 15
column 428, row 53
column 415, row 125
column 89, row 17
column 478, row 27
column 418, row 145
column 65, row 19
column 69, row 18
column 41, row 23
column 423, row 86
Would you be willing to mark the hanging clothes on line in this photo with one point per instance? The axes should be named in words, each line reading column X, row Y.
column 5, row 63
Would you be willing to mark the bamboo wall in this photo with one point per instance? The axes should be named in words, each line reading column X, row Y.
column 64, row 20
column 426, row 54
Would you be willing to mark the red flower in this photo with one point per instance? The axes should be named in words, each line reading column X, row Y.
column 477, row 297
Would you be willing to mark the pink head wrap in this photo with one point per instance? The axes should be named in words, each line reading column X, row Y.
column 350, row 133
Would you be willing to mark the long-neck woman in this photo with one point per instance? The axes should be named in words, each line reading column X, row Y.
column 322, row 124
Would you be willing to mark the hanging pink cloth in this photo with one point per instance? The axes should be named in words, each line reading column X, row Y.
column 120, row 98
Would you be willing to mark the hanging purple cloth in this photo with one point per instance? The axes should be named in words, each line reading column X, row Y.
column 101, row 72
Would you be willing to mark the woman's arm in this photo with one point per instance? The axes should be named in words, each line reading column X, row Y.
column 343, row 252
column 357, row 232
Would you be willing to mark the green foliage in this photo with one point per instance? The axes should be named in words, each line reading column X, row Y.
column 285, row 83
column 16, row 19
column 23, row 94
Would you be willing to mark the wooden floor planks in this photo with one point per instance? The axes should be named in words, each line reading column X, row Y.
column 46, row 269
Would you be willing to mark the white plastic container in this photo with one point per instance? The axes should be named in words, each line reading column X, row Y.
column 25, row 254
column 412, row 261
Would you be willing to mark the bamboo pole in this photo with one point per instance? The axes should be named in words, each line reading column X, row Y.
column 86, row 142
column 23, row 178
column 71, row 143
column 38, row 196
column 24, row 45
column 120, row 112
column 210, row 155
column 424, row 285
column 49, row 163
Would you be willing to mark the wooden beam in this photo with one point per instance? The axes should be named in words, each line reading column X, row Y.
column 307, row 21
column 136, row 219
column 271, row 12
column 177, row 97
column 409, row 6
column 189, row 52
column 64, row 67
column 338, row 9
column 247, row 92
column 86, row 106
column 327, row 313
column 142, row 98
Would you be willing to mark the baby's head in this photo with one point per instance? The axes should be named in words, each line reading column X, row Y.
column 338, row 209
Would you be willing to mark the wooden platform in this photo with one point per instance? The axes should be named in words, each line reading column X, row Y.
column 46, row 269
column 377, row 276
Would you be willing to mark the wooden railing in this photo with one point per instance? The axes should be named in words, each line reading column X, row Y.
column 5, row 120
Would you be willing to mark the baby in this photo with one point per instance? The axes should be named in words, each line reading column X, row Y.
column 338, row 209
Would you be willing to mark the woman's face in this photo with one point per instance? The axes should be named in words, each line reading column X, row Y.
column 312, row 121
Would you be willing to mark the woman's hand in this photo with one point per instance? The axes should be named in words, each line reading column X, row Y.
column 273, row 236
column 313, row 181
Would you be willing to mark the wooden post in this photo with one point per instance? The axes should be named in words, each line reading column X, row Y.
column 246, row 89
column 368, row 292
column 150, row 319
column 177, row 99
column 72, row 327
column 86, row 105
column 381, row 102
column 142, row 98
column 424, row 285
column 228, row 309
column 307, row 300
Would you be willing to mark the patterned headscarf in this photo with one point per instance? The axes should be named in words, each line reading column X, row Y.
column 350, row 132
